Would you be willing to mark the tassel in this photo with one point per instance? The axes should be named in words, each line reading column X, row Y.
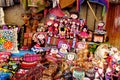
column 48, row 42
column 74, row 42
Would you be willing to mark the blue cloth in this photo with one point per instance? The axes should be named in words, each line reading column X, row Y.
column 5, row 76
column 22, row 53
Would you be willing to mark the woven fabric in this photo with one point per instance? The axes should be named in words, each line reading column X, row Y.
column 8, row 40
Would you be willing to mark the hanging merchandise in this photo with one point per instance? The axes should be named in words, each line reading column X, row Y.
column 66, row 3
column 6, row 3
column 2, row 22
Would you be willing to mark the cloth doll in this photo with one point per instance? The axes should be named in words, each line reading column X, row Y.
column 80, row 46
column 108, row 73
column 55, row 31
column 63, row 48
column 39, row 39
column 62, row 32
column 99, row 71
column 25, row 32
column 84, row 33
column 53, row 55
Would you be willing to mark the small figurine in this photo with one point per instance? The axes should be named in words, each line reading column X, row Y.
column 53, row 55
column 99, row 70
column 84, row 33
column 26, row 37
column 39, row 38
column 63, row 48
column 108, row 73
column 80, row 46
column 55, row 31
column 62, row 32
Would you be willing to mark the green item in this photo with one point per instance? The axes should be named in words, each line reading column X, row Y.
column 79, row 75
column 25, row 4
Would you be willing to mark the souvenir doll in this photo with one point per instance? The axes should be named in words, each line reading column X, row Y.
column 73, row 30
column 62, row 32
column 39, row 39
column 25, row 32
column 63, row 48
column 74, row 15
column 99, row 70
column 53, row 55
column 50, row 27
column 84, row 33
column 80, row 46
column 36, row 19
column 79, row 61
column 74, row 18
column 108, row 73
column 41, row 27
column 70, row 58
column 55, row 31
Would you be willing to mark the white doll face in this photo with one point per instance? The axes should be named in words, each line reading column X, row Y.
column 70, row 57
column 49, row 23
column 101, row 24
column 55, row 24
column 74, row 16
column 54, row 50
column 81, row 46
column 41, row 36
column 64, row 46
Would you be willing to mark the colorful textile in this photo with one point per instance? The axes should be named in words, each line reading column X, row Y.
column 8, row 40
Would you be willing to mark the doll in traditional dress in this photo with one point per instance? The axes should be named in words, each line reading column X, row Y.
column 39, row 39
column 64, row 48
column 84, row 33
column 55, row 31
column 53, row 55
column 25, row 32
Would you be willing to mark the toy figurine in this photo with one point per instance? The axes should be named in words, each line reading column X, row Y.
column 26, row 37
column 36, row 18
column 39, row 38
column 108, row 73
column 70, row 58
column 80, row 46
column 62, row 32
column 63, row 48
column 50, row 27
column 99, row 71
column 84, row 33
column 55, row 31
column 53, row 55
